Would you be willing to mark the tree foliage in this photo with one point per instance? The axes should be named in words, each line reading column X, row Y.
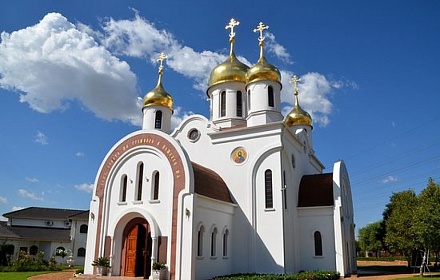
column 370, row 238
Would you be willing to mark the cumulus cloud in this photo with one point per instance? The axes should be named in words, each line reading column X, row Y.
column 41, row 138
column 88, row 188
column 389, row 179
column 278, row 50
column 27, row 194
column 32, row 180
column 53, row 63
column 3, row 200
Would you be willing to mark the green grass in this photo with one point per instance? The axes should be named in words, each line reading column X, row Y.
column 20, row 275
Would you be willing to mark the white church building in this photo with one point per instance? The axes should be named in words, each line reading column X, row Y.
column 240, row 192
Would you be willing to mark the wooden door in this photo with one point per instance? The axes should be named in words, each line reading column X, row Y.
column 131, row 244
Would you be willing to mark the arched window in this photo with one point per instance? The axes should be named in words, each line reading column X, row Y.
column 81, row 252
column 225, row 243
column 270, row 96
column 83, row 228
column 223, row 104
column 139, row 181
column 318, row 243
column 33, row 250
column 249, row 99
column 158, row 120
column 156, row 186
column 123, row 193
column 214, row 242
column 200, row 241
column 239, row 104
column 268, row 188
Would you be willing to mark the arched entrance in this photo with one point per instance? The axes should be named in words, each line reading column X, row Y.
column 136, row 253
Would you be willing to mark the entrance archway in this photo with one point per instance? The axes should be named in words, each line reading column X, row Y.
column 136, row 253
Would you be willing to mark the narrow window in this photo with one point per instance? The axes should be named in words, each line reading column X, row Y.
column 123, row 195
column 158, row 120
column 213, row 242
column 249, row 98
column 268, row 188
column 293, row 161
column 156, row 186
column 223, row 104
column 81, row 252
column 318, row 243
column 270, row 96
column 225, row 243
column 139, row 181
column 33, row 250
column 239, row 104
column 83, row 228
column 200, row 241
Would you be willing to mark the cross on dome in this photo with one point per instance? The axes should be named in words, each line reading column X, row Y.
column 161, row 59
column 232, row 23
column 295, row 81
column 260, row 29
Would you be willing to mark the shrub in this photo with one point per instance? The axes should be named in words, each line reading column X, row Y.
column 307, row 275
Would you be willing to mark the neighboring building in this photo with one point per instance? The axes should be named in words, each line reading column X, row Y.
column 34, row 229
column 240, row 192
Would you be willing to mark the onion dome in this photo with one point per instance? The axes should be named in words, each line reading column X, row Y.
column 262, row 70
column 297, row 116
column 232, row 69
column 158, row 96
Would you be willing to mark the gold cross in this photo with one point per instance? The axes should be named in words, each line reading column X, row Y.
column 260, row 29
column 161, row 59
column 232, row 23
column 295, row 81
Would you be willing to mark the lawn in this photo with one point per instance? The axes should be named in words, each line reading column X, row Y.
column 20, row 275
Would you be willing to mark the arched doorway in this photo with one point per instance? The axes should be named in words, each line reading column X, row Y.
column 136, row 253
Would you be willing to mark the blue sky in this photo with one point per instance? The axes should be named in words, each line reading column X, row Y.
column 71, row 73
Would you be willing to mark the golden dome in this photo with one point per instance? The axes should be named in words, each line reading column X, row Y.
column 232, row 70
column 158, row 96
column 297, row 116
column 262, row 70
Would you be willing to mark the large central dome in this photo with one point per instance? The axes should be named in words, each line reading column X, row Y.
column 232, row 70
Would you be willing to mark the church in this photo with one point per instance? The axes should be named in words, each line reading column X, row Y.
column 240, row 192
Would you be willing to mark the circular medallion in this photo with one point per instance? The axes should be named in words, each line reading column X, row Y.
column 239, row 155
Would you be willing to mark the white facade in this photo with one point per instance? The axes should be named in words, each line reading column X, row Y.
column 241, row 192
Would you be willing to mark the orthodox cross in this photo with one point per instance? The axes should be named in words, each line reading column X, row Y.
column 232, row 23
column 260, row 29
column 161, row 59
column 295, row 81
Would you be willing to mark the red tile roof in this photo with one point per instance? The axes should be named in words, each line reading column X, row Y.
column 316, row 190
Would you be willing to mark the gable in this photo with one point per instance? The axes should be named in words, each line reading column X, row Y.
column 316, row 190
column 208, row 183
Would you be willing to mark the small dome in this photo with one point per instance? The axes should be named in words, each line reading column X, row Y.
column 158, row 96
column 263, row 70
column 298, row 117
column 232, row 70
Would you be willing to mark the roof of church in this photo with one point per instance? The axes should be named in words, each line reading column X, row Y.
column 316, row 190
column 210, row 184
column 34, row 233
column 43, row 213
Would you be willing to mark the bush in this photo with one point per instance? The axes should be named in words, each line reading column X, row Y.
column 307, row 275
column 26, row 262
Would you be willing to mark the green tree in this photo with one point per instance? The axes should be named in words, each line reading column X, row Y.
column 427, row 224
column 370, row 238
column 399, row 218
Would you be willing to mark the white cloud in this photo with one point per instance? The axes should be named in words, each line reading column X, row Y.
column 278, row 50
column 27, row 194
column 16, row 208
column 79, row 154
column 88, row 188
column 32, row 180
column 53, row 63
column 41, row 138
column 3, row 200
column 389, row 179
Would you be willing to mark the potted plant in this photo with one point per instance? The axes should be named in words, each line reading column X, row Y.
column 103, row 264
column 159, row 271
